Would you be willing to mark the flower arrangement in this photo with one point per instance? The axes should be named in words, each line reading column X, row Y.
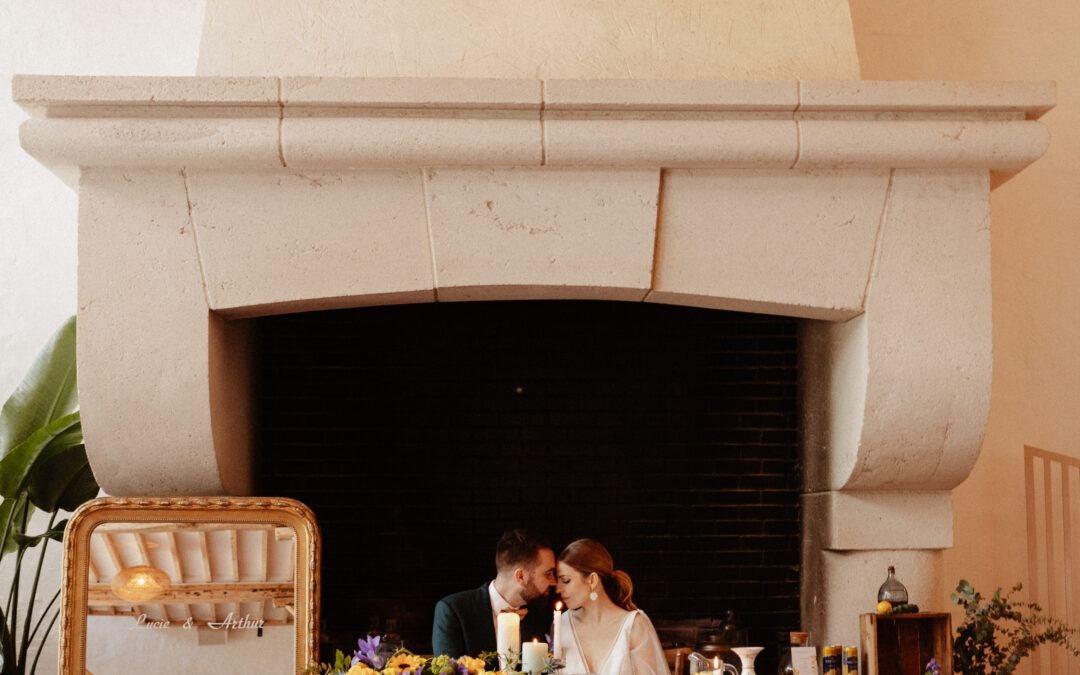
column 373, row 657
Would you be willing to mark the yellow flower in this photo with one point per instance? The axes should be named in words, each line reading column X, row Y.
column 402, row 662
column 474, row 666
column 362, row 669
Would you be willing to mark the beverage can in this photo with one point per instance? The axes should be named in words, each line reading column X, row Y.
column 851, row 661
column 831, row 658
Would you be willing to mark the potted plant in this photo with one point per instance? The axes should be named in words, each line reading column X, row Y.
column 997, row 634
column 43, row 466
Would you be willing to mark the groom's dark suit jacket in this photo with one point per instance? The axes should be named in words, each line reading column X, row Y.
column 463, row 624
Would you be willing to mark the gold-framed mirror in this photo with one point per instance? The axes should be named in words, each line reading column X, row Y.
column 190, row 584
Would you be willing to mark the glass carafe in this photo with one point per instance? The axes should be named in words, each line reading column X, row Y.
column 796, row 639
column 892, row 590
column 702, row 665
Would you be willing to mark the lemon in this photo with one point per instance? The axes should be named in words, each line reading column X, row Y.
column 884, row 606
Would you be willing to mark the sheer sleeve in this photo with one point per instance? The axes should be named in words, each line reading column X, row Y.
column 646, row 654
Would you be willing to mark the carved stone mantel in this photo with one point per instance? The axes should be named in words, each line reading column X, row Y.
column 862, row 207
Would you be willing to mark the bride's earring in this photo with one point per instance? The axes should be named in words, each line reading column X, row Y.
column 593, row 596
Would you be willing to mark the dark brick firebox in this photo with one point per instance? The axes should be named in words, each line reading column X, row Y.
column 418, row 432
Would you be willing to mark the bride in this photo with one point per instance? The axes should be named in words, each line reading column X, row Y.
column 604, row 633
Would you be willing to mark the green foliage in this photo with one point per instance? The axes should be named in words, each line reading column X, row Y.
column 997, row 635
column 43, row 466
column 341, row 665
column 48, row 391
column 484, row 663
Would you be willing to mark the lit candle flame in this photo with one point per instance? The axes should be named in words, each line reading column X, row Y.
column 558, row 606
column 716, row 663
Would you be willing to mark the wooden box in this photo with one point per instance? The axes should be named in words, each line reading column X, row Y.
column 903, row 644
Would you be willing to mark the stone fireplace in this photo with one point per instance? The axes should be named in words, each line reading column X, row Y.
column 860, row 208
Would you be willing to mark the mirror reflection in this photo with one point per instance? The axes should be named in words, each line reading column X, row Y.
column 189, row 585
column 184, row 597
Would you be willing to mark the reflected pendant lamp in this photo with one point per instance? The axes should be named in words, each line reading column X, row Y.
column 141, row 583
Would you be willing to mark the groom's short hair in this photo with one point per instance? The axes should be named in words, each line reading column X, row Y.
column 518, row 548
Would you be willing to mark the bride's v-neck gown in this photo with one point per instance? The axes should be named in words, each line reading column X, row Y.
column 623, row 658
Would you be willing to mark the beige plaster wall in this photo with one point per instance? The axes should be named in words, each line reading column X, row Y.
column 644, row 39
column 1035, row 239
column 38, row 213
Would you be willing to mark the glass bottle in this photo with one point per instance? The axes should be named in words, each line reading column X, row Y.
column 892, row 590
column 797, row 639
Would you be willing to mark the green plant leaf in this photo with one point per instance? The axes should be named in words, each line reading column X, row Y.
column 50, row 440
column 11, row 544
column 7, row 647
column 63, row 481
column 56, row 533
column 47, row 392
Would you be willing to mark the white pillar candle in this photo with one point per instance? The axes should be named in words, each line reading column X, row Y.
column 556, row 632
column 533, row 655
column 507, row 636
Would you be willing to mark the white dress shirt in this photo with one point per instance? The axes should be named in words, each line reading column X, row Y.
column 498, row 604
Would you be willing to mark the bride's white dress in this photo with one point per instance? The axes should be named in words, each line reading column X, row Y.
column 623, row 658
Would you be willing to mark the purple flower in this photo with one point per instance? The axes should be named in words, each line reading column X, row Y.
column 933, row 668
column 366, row 652
column 551, row 643
column 459, row 666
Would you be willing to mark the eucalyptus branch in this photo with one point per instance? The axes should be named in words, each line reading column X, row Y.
column 997, row 635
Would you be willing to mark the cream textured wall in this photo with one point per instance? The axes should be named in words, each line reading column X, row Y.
column 644, row 39
column 1035, row 240
column 37, row 212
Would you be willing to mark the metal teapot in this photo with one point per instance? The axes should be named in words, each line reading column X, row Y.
column 702, row 665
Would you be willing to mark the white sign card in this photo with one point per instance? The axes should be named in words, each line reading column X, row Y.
column 804, row 660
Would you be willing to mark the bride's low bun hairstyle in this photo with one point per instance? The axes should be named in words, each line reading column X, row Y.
column 588, row 556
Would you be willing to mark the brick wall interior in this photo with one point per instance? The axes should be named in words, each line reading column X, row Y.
column 418, row 433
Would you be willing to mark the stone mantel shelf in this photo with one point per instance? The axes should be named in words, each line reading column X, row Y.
column 311, row 123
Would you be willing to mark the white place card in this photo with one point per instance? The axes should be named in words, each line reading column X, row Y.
column 804, row 660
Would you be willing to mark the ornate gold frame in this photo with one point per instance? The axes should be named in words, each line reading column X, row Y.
column 187, row 509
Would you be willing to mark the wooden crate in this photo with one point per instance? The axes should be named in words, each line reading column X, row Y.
column 903, row 644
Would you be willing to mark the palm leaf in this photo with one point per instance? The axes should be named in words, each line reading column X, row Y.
column 53, row 439
column 14, row 531
column 62, row 481
column 56, row 533
column 46, row 393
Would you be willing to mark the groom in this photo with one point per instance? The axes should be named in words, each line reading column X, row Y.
column 525, row 575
